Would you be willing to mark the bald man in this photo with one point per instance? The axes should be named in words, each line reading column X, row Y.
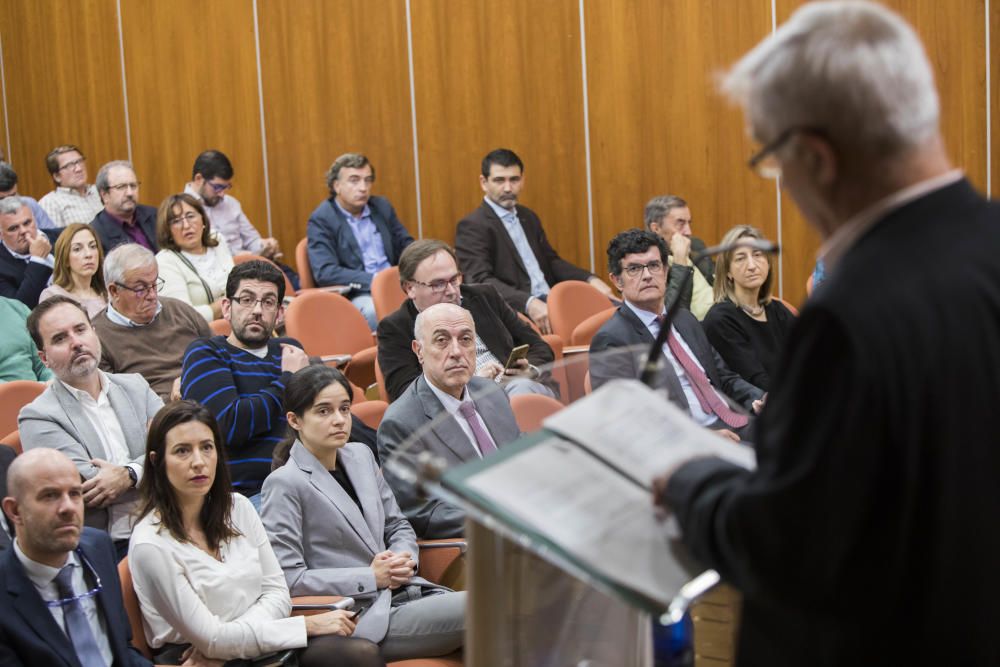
column 58, row 584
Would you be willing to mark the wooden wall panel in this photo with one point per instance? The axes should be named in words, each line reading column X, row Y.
column 994, row 19
column 191, row 74
column 63, row 73
column 657, row 124
column 492, row 75
column 335, row 80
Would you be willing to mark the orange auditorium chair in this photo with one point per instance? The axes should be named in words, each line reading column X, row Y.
column 387, row 293
column 584, row 332
column 302, row 260
column 570, row 303
column 14, row 395
column 328, row 324
column 531, row 409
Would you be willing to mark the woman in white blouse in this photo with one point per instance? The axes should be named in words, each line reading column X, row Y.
column 208, row 583
column 194, row 262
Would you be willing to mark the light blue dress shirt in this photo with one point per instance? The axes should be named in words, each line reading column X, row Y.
column 539, row 287
column 369, row 239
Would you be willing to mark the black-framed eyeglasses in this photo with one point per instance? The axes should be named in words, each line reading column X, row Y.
column 62, row 602
column 191, row 217
column 122, row 187
column 438, row 286
column 249, row 301
column 765, row 162
column 655, row 268
column 143, row 290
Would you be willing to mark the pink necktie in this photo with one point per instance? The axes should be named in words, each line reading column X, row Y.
column 486, row 446
column 709, row 399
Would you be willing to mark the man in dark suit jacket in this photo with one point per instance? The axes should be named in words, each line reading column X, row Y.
column 353, row 235
column 25, row 253
column 124, row 219
column 637, row 260
column 55, row 558
column 428, row 272
column 430, row 417
column 503, row 244
column 865, row 535
column 7, row 455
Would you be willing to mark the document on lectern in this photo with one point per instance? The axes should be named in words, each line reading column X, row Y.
column 581, row 489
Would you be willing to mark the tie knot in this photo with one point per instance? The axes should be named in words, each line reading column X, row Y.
column 467, row 408
column 64, row 580
column 660, row 319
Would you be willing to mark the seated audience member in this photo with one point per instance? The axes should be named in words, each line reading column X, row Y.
column 140, row 331
column 694, row 375
column 59, row 583
column 7, row 456
column 428, row 272
column 669, row 217
column 366, row 549
column 354, row 234
column 79, row 269
column 18, row 354
column 123, row 219
column 211, row 179
column 97, row 419
column 746, row 326
column 25, row 253
column 503, row 244
column 207, row 580
column 73, row 200
column 194, row 265
column 8, row 188
column 471, row 416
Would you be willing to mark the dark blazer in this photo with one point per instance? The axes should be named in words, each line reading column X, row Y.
column 7, row 455
column 418, row 422
column 865, row 536
column 499, row 327
column 334, row 253
column 112, row 235
column 28, row 633
column 618, row 347
column 487, row 255
column 23, row 280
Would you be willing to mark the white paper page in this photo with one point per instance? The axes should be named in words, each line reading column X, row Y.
column 639, row 431
column 593, row 513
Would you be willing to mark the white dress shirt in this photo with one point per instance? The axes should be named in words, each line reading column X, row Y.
column 44, row 576
column 236, row 607
column 451, row 404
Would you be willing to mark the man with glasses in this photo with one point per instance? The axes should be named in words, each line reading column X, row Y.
column 694, row 375
column 124, row 219
column 428, row 272
column 59, row 585
column 26, row 260
column 73, row 200
column 669, row 217
column 353, row 234
column 97, row 419
column 140, row 331
column 8, row 188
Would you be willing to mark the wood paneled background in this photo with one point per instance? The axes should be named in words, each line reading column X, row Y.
column 609, row 103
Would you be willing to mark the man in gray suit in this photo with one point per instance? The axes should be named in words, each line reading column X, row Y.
column 97, row 419
column 446, row 412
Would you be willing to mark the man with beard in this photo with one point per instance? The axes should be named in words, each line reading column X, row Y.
column 58, row 585
column 97, row 419
column 124, row 219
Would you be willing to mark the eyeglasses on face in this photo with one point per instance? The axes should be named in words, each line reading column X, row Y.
column 220, row 187
column 655, row 268
column 438, row 286
column 79, row 162
column 143, row 290
column 191, row 218
column 122, row 187
column 765, row 161
column 249, row 301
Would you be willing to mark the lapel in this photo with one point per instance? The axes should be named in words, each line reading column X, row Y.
column 116, row 235
column 25, row 601
column 382, row 227
column 500, row 231
column 492, row 336
column 328, row 487
column 86, row 435
column 443, row 425
column 133, row 427
column 345, row 237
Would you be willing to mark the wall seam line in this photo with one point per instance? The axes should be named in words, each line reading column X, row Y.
column 413, row 119
column 777, row 188
column 3, row 92
column 989, row 124
column 586, row 135
column 121, row 54
column 263, row 125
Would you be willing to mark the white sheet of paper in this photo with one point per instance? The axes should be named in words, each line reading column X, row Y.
column 639, row 431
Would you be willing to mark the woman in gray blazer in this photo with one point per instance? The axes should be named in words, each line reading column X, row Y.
column 336, row 529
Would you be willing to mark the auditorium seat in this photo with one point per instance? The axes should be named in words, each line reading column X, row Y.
column 302, row 262
column 387, row 293
column 383, row 393
column 220, row 327
column 570, row 303
column 370, row 412
column 327, row 324
column 531, row 409
column 14, row 395
column 584, row 332
column 13, row 440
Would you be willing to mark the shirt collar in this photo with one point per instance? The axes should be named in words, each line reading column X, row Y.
column 26, row 258
column 41, row 575
column 189, row 190
column 858, row 225
column 645, row 316
column 365, row 212
column 502, row 213
column 82, row 395
column 121, row 320
column 122, row 221
column 91, row 189
column 449, row 402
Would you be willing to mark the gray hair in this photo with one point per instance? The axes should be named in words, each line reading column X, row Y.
column 101, row 182
column 11, row 205
column 854, row 70
column 349, row 161
column 124, row 258
column 659, row 207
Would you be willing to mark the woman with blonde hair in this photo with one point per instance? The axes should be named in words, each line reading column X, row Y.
column 79, row 269
column 746, row 326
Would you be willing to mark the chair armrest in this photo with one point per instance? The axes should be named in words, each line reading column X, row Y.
column 307, row 605
column 436, row 556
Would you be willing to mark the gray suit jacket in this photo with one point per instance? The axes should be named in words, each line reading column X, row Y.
column 324, row 544
column 418, row 412
column 56, row 420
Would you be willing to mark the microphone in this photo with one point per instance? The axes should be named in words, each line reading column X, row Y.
column 652, row 366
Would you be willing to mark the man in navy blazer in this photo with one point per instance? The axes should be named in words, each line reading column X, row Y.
column 353, row 234
column 25, row 252
column 124, row 219
column 46, row 506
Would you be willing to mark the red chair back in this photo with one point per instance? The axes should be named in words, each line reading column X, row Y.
column 531, row 409
column 585, row 330
column 570, row 303
column 302, row 262
column 387, row 293
column 14, row 395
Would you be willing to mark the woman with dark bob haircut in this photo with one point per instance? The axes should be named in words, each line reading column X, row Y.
column 337, row 530
column 208, row 583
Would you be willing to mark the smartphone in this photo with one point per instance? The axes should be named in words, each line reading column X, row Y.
column 519, row 352
column 358, row 613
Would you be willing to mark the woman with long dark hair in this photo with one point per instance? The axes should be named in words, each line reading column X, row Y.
column 207, row 581
column 337, row 530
